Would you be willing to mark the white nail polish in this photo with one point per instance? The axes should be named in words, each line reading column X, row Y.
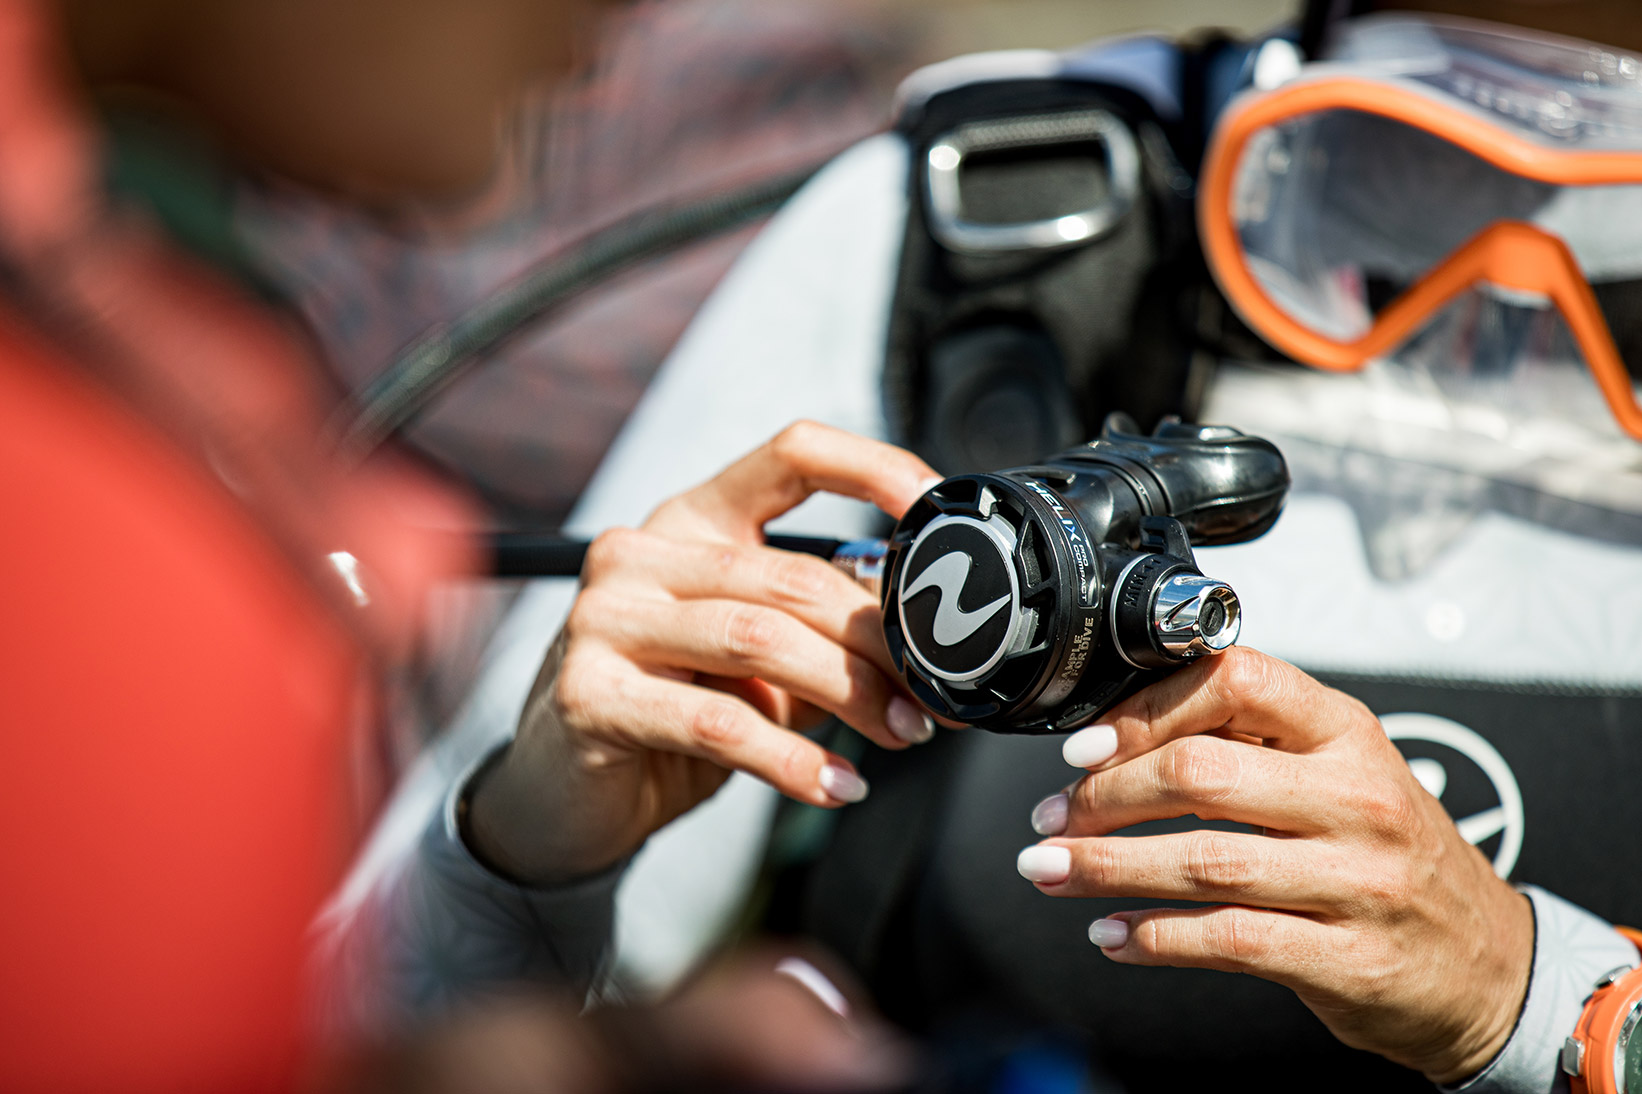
column 929, row 484
column 1049, row 816
column 814, row 981
column 1045, row 865
column 1109, row 934
column 1090, row 747
column 907, row 722
column 842, row 785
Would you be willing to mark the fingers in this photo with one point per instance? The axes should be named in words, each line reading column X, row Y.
column 1203, row 866
column 799, row 461
column 1276, row 946
column 786, row 1028
column 1240, row 692
column 674, row 719
column 810, row 589
column 733, row 639
column 1204, row 776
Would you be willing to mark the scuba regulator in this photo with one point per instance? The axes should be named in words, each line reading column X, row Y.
column 1032, row 599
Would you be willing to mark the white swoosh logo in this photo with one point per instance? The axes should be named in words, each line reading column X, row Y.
column 949, row 574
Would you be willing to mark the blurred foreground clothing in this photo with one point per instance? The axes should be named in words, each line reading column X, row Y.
column 199, row 605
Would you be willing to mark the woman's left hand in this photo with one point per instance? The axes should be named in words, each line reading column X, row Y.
column 1356, row 890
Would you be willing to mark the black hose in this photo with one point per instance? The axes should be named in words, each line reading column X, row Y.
column 446, row 351
column 530, row 554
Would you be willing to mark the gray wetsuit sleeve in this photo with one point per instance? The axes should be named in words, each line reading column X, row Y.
column 438, row 928
column 1572, row 949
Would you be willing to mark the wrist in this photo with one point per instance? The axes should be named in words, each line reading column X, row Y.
column 517, row 827
column 1514, row 946
column 1572, row 948
column 480, row 837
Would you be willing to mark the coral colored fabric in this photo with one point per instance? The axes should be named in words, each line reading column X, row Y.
column 175, row 752
column 188, row 693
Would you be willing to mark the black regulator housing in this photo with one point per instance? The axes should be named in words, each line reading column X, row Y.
column 1031, row 600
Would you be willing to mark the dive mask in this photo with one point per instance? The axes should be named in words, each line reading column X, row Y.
column 1456, row 192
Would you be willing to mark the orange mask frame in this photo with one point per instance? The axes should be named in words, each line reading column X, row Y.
column 1510, row 254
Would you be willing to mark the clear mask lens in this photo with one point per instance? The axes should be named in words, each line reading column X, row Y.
column 1497, row 371
column 1488, row 408
column 1340, row 212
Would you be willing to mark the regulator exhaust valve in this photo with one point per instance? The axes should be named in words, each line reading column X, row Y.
column 1031, row 600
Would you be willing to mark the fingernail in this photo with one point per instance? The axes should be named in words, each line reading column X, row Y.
column 1109, row 934
column 1046, row 865
column 842, row 784
column 929, row 484
column 1090, row 747
column 907, row 722
column 1049, row 815
column 814, row 981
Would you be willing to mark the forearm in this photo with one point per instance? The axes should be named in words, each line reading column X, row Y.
column 531, row 814
column 437, row 927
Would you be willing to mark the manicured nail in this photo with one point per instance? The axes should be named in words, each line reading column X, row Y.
column 814, row 981
column 1045, row 865
column 1090, row 747
column 842, row 784
column 1109, row 934
column 907, row 722
column 1049, row 815
column 929, row 484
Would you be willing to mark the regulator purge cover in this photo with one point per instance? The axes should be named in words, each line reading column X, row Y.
column 960, row 598
column 979, row 596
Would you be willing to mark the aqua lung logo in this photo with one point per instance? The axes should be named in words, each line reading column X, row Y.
column 959, row 598
column 950, row 574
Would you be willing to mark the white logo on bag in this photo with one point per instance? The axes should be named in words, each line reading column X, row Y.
column 1506, row 820
column 949, row 574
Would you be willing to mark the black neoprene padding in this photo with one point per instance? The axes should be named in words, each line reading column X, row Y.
column 1104, row 326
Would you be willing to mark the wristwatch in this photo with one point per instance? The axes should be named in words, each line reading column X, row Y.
column 1604, row 1056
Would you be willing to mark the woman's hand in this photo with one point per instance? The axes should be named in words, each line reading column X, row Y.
column 1356, row 891
column 693, row 651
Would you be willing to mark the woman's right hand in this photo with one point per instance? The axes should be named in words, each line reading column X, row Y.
column 692, row 651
